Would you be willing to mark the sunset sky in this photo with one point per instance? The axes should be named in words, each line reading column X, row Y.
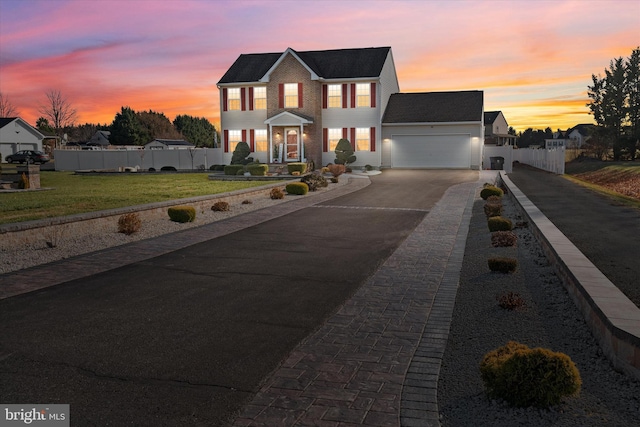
column 533, row 59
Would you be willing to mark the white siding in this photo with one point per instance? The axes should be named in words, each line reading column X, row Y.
column 388, row 84
column 437, row 134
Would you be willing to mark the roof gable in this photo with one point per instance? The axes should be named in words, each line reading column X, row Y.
column 491, row 116
column 435, row 107
column 322, row 64
column 4, row 121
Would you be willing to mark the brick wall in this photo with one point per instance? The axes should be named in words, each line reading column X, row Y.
column 291, row 71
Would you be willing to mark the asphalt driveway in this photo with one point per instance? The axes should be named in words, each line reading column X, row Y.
column 606, row 233
column 186, row 338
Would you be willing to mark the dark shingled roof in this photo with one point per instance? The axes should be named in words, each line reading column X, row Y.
column 6, row 120
column 328, row 64
column 434, row 107
column 490, row 117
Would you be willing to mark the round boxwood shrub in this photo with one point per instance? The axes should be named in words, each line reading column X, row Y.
column 526, row 377
column 490, row 190
column 182, row 213
column 498, row 223
column 298, row 188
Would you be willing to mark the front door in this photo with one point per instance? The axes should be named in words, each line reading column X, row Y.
column 292, row 145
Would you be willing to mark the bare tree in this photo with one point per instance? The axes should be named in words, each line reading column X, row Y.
column 58, row 110
column 6, row 108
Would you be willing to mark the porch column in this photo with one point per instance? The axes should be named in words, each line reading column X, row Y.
column 301, row 141
column 270, row 152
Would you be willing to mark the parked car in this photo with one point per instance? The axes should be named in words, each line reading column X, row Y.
column 27, row 156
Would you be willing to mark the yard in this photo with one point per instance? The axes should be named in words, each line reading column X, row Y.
column 609, row 178
column 73, row 194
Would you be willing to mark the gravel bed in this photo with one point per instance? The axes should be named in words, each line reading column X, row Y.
column 71, row 240
column 549, row 319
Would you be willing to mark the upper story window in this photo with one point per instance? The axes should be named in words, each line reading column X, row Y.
column 334, row 96
column 233, row 98
column 290, row 95
column 363, row 94
column 363, row 139
column 260, row 98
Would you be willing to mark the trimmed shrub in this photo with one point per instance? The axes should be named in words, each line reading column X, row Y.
column 510, row 301
column 129, row 223
column 494, row 199
column 490, row 190
column 325, row 170
column 258, row 170
column 344, row 152
column 240, row 172
column 220, row 207
column 299, row 167
column 315, row 181
column 503, row 239
column 334, row 179
column 276, row 194
column 240, row 153
column 297, row 188
column 498, row 223
column 503, row 265
column 492, row 209
column 168, row 169
column 526, row 377
column 182, row 213
column 233, row 169
column 368, row 168
column 247, row 202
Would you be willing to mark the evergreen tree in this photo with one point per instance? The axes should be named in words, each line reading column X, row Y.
column 344, row 153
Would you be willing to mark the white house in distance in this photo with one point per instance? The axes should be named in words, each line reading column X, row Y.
column 579, row 135
column 168, row 144
column 16, row 135
column 295, row 105
column 496, row 131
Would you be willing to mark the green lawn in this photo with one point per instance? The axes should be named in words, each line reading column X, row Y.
column 74, row 194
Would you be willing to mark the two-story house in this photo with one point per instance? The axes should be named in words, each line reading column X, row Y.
column 496, row 131
column 296, row 106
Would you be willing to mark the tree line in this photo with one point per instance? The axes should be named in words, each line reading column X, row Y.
column 129, row 127
column 615, row 106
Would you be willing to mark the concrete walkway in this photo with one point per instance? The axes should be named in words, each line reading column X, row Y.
column 376, row 361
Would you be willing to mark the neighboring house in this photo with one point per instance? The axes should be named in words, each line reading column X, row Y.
column 16, row 135
column 496, row 131
column 100, row 139
column 578, row 135
column 168, row 144
column 433, row 130
column 559, row 140
column 295, row 106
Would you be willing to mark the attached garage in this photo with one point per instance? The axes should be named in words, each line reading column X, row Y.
column 433, row 130
column 431, row 151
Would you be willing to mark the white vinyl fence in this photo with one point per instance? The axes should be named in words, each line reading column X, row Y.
column 549, row 159
column 189, row 159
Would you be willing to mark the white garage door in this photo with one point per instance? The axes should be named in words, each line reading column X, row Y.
column 431, row 151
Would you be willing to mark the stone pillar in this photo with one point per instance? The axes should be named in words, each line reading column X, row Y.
column 33, row 174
